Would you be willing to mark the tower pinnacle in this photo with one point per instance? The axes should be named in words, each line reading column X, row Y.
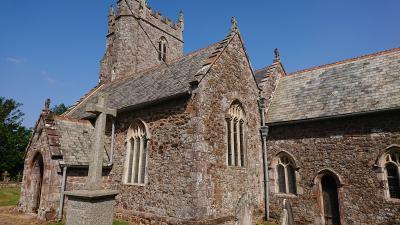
column 111, row 20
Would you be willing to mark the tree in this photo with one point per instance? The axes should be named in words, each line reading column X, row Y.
column 13, row 137
column 59, row 109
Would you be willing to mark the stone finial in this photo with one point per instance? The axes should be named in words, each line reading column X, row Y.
column 47, row 105
column 277, row 57
column 234, row 26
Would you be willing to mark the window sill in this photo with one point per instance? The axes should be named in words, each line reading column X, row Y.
column 237, row 167
column 285, row 195
column 138, row 185
column 393, row 200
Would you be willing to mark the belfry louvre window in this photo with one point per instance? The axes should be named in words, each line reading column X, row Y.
column 136, row 157
column 162, row 49
column 235, row 136
column 392, row 167
column 286, row 175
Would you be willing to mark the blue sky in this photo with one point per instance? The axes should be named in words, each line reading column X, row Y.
column 52, row 48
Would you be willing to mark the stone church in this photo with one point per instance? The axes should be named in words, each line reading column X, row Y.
column 186, row 146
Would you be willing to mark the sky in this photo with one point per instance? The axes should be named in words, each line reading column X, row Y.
column 51, row 49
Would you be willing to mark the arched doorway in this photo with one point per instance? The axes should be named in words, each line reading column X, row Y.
column 36, row 181
column 330, row 200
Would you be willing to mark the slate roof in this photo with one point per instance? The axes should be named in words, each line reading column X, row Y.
column 262, row 75
column 74, row 138
column 363, row 84
column 148, row 86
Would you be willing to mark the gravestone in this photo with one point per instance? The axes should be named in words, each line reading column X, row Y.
column 19, row 177
column 94, row 205
column 287, row 214
column 6, row 177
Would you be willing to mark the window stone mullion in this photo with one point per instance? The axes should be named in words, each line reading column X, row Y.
column 127, row 160
column 286, row 179
column 141, row 149
column 238, row 142
column 232, row 143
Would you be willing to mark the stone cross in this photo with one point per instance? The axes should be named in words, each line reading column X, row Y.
column 234, row 25
column 6, row 177
column 19, row 176
column 96, row 157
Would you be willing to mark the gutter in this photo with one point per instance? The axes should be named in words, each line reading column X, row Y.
column 62, row 195
column 264, row 133
column 112, row 142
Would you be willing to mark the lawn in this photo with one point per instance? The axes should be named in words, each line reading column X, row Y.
column 9, row 196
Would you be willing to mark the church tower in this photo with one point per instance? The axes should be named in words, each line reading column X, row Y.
column 139, row 38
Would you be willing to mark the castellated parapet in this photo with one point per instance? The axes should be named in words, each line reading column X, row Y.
column 133, row 40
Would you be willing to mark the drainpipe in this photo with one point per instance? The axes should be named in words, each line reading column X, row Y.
column 264, row 134
column 62, row 197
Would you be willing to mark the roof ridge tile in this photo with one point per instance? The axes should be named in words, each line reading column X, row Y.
column 366, row 56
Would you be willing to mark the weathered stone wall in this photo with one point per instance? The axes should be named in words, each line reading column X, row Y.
column 133, row 47
column 169, row 188
column 51, row 182
column 223, row 190
column 349, row 147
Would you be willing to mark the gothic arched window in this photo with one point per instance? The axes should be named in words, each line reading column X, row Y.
column 136, row 154
column 162, row 49
column 286, row 175
column 235, row 135
column 392, row 168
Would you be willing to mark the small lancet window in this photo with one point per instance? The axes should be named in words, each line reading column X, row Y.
column 235, row 136
column 392, row 167
column 286, row 175
column 162, row 49
column 136, row 157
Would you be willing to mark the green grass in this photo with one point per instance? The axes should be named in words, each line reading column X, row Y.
column 9, row 196
column 266, row 223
